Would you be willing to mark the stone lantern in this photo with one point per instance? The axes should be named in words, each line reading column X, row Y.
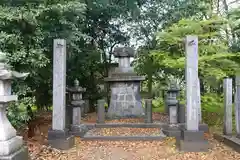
column 172, row 103
column 77, row 102
column 11, row 145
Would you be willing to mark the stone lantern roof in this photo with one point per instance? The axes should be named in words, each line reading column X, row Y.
column 5, row 70
column 123, row 52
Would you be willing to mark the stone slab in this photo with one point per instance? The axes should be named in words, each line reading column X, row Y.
column 231, row 141
column 81, row 130
column 10, row 146
column 202, row 127
column 21, row 154
column 58, row 134
column 132, row 125
column 62, row 143
column 172, row 132
column 193, row 146
column 181, row 113
column 192, row 135
column 124, row 138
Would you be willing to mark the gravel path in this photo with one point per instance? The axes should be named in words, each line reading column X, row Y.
column 125, row 150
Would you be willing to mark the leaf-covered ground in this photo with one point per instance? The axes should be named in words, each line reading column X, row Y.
column 122, row 150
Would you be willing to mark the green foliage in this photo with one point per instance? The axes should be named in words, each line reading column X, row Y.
column 212, row 109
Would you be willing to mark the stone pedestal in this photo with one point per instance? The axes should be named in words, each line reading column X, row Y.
column 125, row 87
column 192, row 141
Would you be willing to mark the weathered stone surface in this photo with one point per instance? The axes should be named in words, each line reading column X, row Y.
column 62, row 144
column 199, row 101
column 101, row 111
column 191, row 71
column 59, row 85
column 10, row 146
column 76, row 119
column 123, row 52
column 125, row 102
column 181, row 113
column 21, row 154
column 237, row 104
column 148, row 111
column 125, row 87
column 227, row 87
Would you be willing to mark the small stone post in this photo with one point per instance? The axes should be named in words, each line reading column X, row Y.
column 59, row 136
column 86, row 106
column 173, row 103
column 101, row 111
column 148, row 111
column 237, row 105
column 227, row 87
column 11, row 145
column 77, row 102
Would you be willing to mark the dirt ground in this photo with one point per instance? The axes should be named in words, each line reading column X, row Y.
column 120, row 150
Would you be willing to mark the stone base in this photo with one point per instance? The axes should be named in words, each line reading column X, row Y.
column 21, row 154
column 172, row 132
column 80, row 130
column 60, row 139
column 193, row 146
column 202, row 127
column 125, row 101
column 231, row 141
column 192, row 141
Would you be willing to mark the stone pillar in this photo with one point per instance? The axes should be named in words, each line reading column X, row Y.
column 101, row 111
column 192, row 139
column 58, row 135
column 191, row 72
column 237, row 105
column 173, row 103
column 11, row 145
column 227, row 88
column 148, row 111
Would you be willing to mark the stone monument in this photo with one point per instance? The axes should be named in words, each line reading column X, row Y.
column 192, row 139
column 11, row 145
column 59, row 136
column 125, row 87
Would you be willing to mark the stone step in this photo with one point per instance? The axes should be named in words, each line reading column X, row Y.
column 124, row 138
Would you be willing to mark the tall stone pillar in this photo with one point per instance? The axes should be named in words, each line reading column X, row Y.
column 192, row 139
column 59, row 136
column 11, row 145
